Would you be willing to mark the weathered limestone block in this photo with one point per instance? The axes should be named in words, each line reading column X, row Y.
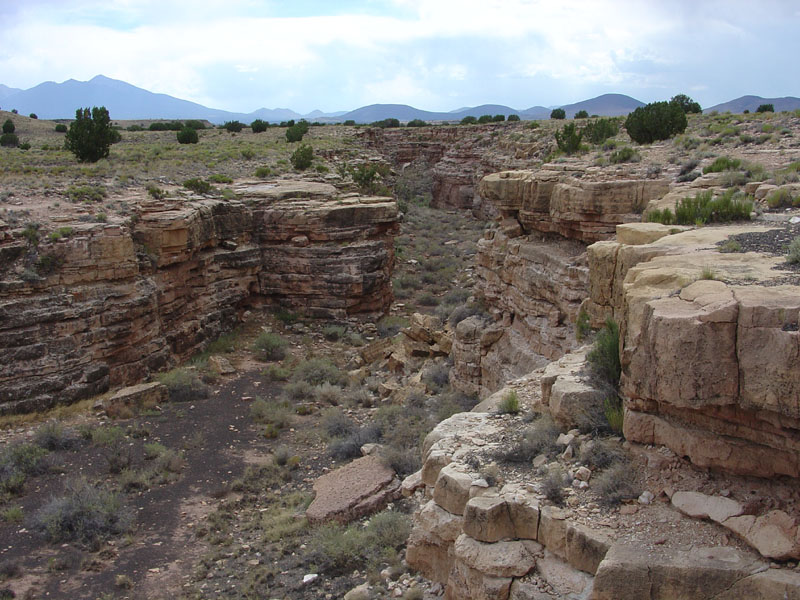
column 466, row 582
column 630, row 571
column 430, row 555
column 500, row 559
column 452, row 489
column 553, row 530
column 768, row 585
column 775, row 534
column 586, row 547
column 488, row 519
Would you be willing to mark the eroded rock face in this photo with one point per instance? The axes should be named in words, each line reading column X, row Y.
column 575, row 208
column 127, row 301
column 709, row 365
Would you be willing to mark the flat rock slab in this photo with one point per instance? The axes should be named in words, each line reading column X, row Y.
column 702, row 506
column 352, row 491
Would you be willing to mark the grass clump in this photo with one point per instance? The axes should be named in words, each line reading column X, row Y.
column 270, row 346
column 197, row 185
column 730, row 246
column 54, row 436
column 793, row 256
column 538, row 439
column 623, row 155
column 553, row 486
column 583, row 326
column 615, row 484
column 316, row 371
column 732, row 205
column 601, row 453
column 348, row 447
column 86, row 193
column 271, row 412
column 17, row 462
column 723, row 163
column 338, row 549
column 184, row 385
column 334, row 333
column 509, row 405
column 781, row 198
column 612, row 409
column 85, row 514
column 327, row 393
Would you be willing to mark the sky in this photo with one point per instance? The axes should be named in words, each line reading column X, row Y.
column 440, row 55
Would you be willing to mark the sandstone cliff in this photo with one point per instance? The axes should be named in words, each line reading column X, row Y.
column 125, row 301
column 710, row 345
column 532, row 268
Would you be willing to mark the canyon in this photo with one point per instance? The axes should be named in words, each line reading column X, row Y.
column 708, row 349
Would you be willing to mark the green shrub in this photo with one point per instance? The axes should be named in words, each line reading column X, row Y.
column 25, row 146
column 509, row 405
column 512, row 118
column 665, row 216
column 263, row 172
column 61, row 128
column 90, row 135
column 730, row 246
column 9, row 140
column 166, row 126
column 655, row 121
column 219, row 178
column 723, row 163
column 762, row 108
column 793, row 256
column 187, row 135
column 469, row 120
column 780, row 198
column 195, row 124
column 259, row 126
column 8, row 126
column 54, row 436
column 498, row 118
column 624, row 154
column 581, row 114
column 270, row 346
column 558, row 113
column 604, row 355
column 17, row 461
column 271, row 412
column 703, row 208
column 86, row 193
column 184, row 385
column 301, row 158
column 338, row 549
column 233, row 126
column 333, row 333
column 386, row 123
column 416, row 123
column 197, row 185
column 598, row 131
column 569, row 138
column 86, row 514
column 156, row 192
column 316, row 371
column 686, row 104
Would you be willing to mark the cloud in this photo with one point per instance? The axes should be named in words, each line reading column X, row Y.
column 241, row 54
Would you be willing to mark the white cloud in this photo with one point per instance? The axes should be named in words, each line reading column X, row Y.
column 429, row 51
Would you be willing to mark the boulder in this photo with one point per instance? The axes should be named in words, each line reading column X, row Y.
column 359, row 488
column 500, row 559
column 775, row 535
column 137, row 397
column 488, row 519
column 451, row 491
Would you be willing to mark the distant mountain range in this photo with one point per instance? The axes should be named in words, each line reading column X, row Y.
column 751, row 103
column 124, row 101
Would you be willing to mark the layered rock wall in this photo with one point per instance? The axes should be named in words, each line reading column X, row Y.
column 533, row 271
column 127, row 301
column 709, row 365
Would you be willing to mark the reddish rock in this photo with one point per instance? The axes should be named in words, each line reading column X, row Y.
column 359, row 488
